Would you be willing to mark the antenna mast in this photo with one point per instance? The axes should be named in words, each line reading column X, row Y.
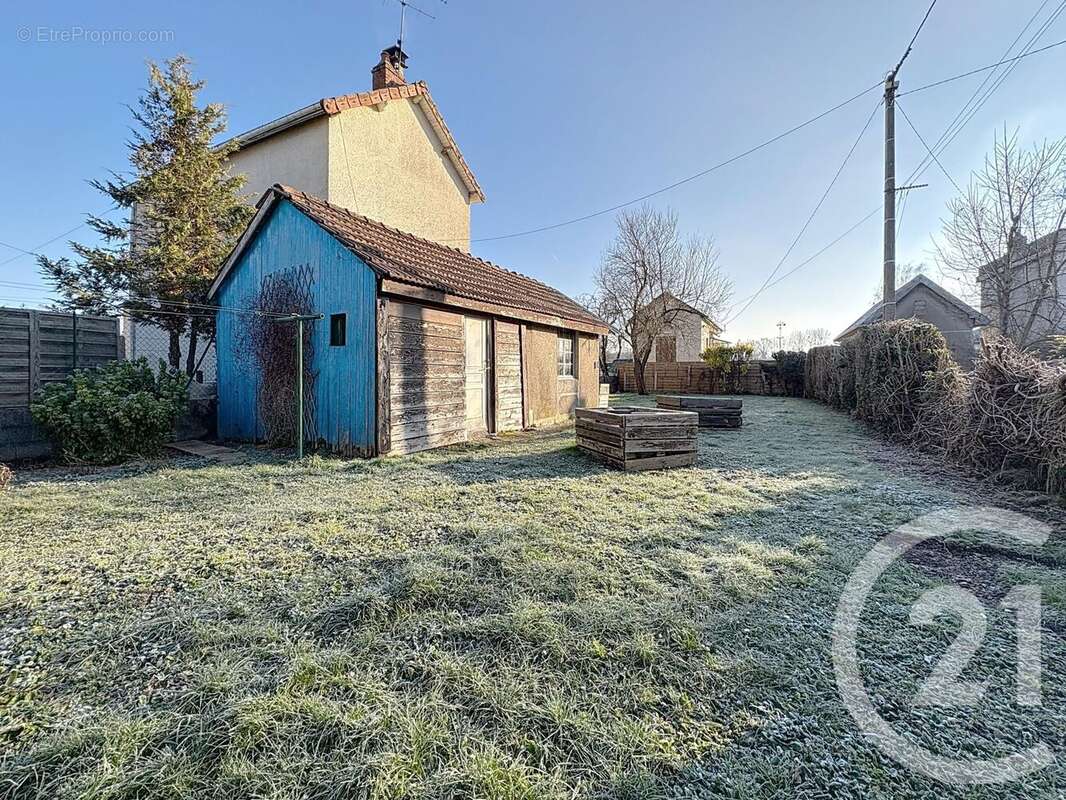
column 403, row 18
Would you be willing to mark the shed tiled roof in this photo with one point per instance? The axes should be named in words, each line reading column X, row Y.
column 409, row 259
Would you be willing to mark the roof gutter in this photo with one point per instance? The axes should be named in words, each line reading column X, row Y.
column 278, row 125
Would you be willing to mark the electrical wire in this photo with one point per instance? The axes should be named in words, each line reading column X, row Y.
column 925, row 163
column 929, row 150
column 979, row 70
column 975, row 103
column 914, row 38
column 810, row 217
column 689, row 179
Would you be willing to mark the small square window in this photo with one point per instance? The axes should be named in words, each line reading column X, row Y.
column 565, row 358
column 338, row 330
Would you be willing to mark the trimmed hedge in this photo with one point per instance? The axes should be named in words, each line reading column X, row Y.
column 829, row 375
column 1007, row 417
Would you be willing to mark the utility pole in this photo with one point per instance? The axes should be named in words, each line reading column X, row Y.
column 888, row 305
column 781, row 335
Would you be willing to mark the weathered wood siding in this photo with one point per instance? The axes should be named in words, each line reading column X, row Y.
column 345, row 409
column 426, row 377
column 508, row 376
column 37, row 348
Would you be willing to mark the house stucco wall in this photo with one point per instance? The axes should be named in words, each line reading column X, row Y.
column 298, row 157
column 387, row 165
column 689, row 331
column 1049, row 319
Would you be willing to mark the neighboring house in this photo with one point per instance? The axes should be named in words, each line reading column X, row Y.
column 420, row 345
column 686, row 333
column 1031, row 316
column 925, row 299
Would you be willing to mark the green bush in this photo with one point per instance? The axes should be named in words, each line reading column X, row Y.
column 111, row 413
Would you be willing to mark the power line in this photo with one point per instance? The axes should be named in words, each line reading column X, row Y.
column 970, row 108
column 810, row 218
column 914, row 38
column 925, row 162
column 979, row 70
column 688, row 179
column 928, row 149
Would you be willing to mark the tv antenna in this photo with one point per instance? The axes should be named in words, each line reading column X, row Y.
column 404, row 5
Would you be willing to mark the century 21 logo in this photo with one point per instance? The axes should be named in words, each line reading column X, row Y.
column 944, row 686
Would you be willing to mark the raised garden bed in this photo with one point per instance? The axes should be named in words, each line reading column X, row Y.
column 714, row 412
column 634, row 438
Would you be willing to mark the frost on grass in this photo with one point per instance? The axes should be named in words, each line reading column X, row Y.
column 503, row 620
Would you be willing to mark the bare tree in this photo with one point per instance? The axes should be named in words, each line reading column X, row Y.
column 803, row 340
column 798, row 341
column 649, row 274
column 1003, row 239
column 904, row 272
column 611, row 344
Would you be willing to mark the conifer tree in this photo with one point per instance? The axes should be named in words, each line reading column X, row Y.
column 184, row 212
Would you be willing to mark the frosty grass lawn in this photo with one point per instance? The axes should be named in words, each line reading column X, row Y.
column 500, row 620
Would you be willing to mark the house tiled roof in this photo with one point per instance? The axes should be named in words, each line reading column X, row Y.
column 409, row 259
column 875, row 312
column 417, row 93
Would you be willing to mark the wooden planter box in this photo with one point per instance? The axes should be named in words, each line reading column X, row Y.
column 714, row 412
column 634, row 438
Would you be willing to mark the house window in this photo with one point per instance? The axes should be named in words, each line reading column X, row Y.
column 338, row 330
column 565, row 359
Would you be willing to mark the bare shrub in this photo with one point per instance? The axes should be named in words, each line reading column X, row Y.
column 6, row 476
column 1018, row 413
column 269, row 342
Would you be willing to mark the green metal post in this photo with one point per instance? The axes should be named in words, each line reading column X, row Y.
column 300, row 388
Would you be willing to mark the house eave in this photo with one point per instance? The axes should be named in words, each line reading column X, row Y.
column 265, row 131
column 410, row 291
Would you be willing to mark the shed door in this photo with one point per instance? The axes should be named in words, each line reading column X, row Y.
column 476, row 334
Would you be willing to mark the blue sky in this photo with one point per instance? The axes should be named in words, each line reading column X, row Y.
column 561, row 109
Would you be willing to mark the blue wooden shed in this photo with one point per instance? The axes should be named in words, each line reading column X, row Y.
column 419, row 344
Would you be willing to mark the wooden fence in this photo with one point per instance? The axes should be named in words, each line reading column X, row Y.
column 38, row 348
column 699, row 378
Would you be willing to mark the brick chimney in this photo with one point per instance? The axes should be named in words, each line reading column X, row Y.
column 389, row 71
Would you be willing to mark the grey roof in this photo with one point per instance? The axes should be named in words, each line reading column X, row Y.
column 874, row 314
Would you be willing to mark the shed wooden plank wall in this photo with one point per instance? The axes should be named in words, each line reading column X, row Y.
column 345, row 402
column 508, row 376
column 426, row 377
